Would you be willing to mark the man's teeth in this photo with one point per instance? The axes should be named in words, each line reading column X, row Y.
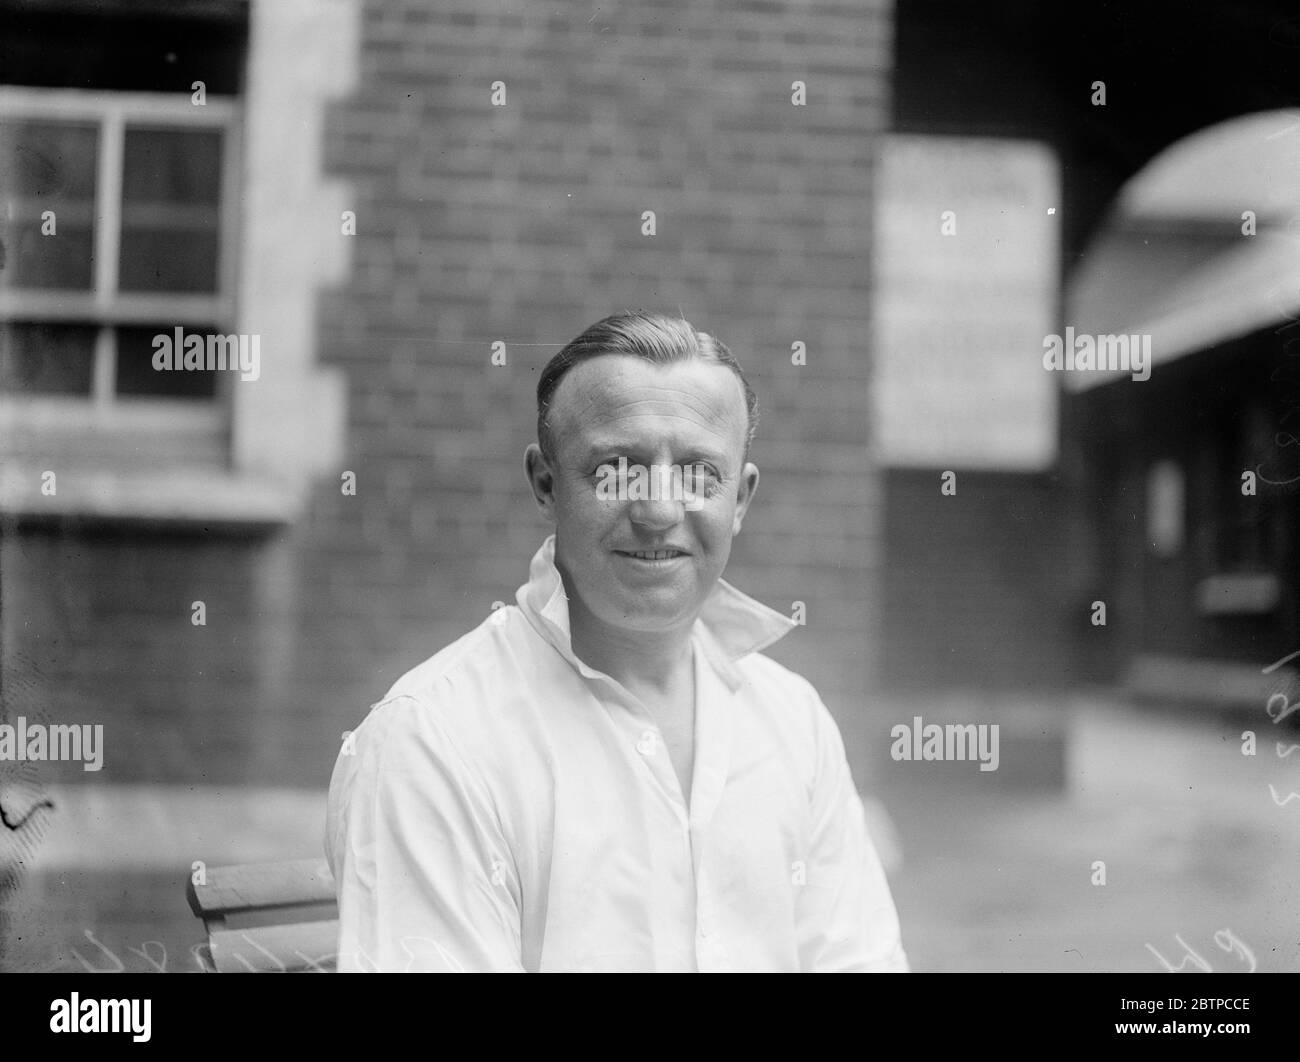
column 658, row 554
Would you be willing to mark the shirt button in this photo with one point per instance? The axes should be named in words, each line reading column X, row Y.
column 646, row 746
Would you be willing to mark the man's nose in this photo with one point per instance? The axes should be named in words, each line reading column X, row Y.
column 656, row 515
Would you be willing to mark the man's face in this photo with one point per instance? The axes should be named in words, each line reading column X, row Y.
column 688, row 414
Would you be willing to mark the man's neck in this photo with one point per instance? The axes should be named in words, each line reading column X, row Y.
column 657, row 662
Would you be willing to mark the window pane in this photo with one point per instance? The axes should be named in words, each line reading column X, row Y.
column 49, row 166
column 137, row 376
column 1165, row 508
column 46, row 359
column 171, row 211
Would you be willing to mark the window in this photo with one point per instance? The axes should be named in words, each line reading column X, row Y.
column 168, row 215
column 1165, row 517
column 1249, row 532
column 120, row 227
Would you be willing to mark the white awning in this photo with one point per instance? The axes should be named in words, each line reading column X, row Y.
column 1254, row 286
column 1174, row 263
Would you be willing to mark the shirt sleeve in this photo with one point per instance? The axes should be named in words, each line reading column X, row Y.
column 424, row 875
column 847, row 922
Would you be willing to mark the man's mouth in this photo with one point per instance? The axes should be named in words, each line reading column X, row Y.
column 652, row 554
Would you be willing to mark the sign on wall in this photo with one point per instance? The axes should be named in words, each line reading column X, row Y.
column 967, row 283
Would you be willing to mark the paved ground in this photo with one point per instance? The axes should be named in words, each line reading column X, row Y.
column 1193, row 841
column 991, row 878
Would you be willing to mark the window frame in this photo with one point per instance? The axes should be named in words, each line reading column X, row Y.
column 104, row 306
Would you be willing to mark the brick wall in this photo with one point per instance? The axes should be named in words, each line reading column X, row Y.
column 984, row 589
column 521, row 224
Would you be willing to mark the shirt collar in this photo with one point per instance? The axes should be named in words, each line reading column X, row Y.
column 730, row 625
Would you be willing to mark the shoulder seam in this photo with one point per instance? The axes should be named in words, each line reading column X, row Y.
column 472, row 639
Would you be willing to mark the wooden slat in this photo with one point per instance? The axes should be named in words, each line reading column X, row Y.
column 302, row 946
column 255, row 886
column 275, row 916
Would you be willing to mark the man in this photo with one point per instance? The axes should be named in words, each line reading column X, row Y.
column 608, row 775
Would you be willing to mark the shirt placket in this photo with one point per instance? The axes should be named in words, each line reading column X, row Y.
column 643, row 733
column 714, row 725
column 652, row 749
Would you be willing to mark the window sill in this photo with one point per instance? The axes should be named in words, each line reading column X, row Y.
column 1196, row 681
column 1238, row 594
column 195, row 498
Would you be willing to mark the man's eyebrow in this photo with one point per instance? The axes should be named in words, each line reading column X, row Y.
column 607, row 447
column 706, row 453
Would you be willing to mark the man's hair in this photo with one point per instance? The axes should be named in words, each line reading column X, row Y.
column 653, row 337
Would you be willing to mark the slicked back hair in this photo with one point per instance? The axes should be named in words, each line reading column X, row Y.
column 653, row 337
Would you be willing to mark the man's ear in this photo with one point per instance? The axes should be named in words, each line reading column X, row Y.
column 744, row 494
column 541, row 480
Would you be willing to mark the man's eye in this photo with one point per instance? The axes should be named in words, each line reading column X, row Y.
column 704, row 478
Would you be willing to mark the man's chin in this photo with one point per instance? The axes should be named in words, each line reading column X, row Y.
column 637, row 597
column 642, row 609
